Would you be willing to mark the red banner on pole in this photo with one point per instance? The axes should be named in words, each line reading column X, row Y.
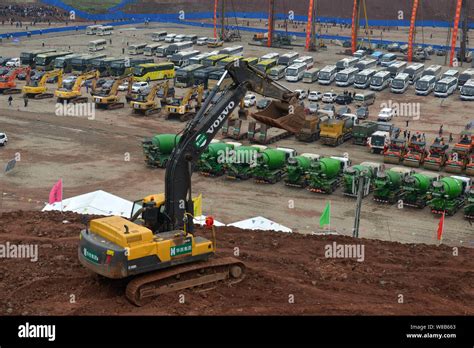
column 354, row 26
column 308, row 26
column 215, row 18
column 457, row 18
column 412, row 31
column 270, row 23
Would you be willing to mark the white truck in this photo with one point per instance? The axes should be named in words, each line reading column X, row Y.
column 3, row 139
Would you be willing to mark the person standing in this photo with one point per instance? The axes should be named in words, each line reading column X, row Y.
column 440, row 132
column 25, row 100
column 10, row 100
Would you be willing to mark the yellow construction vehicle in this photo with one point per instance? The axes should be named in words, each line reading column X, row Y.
column 37, row 89
column 109, row 99
column 158, row 246
column 71, row 92
column 187, row 106
column 146, row 104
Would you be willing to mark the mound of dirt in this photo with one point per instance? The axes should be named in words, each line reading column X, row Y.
column 287, row 274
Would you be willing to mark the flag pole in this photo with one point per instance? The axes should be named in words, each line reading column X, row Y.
column 329, row 216
column 61, row 195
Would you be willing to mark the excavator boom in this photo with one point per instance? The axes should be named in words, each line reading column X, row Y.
column 109, row 100
column 8, row 83
column 203, row 128
column 147, row 105
column 38, row 91
column 74, row 94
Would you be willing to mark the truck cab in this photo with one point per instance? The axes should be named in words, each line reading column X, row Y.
column 378, row 141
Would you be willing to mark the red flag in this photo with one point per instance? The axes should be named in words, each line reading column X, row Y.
column 56, row 194
column 440, row 227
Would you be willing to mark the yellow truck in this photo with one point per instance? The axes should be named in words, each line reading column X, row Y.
column 336, row 131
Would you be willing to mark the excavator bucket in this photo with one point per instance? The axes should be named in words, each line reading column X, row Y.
column 287, row 116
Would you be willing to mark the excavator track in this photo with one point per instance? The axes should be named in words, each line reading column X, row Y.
column 115, row 106
column 11, row 91
column 144, row 288
column 43, row 96
column 79, row 100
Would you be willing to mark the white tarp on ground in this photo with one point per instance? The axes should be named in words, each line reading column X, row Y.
column 260, row 223
column 97, row 203
column 104, row 203
column 201, row 220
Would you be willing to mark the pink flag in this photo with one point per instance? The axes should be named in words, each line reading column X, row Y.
column 56, row 194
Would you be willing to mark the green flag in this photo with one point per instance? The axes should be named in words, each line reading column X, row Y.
column 325, row 218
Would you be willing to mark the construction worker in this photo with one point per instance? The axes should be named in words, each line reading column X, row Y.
column 10, row 99
column 25, row 100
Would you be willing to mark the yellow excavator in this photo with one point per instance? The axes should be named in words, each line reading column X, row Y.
column 157, row 248
column 38, row 89
column 187, row 106
column 147, row 104
column 110, row 99
column 71, row 92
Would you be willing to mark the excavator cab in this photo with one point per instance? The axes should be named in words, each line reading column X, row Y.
column 149, row 212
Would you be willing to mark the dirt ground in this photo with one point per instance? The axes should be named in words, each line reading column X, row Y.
column 287, row 274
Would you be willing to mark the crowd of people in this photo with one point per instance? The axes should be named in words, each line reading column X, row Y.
column 14, row 14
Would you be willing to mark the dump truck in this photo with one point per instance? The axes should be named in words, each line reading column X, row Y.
column 395, row 151
column 415, row 189
column 311, row 129
column 469, row 208
column 388, row 184
column 352, row 176
column 324, row 176
column 460, row 155
column 334, row 132
column 362, row 132
column 211, row 162
column 157, row 150
column 448, row 195
column 242, row 163
column 297, row 168
column 437, row 155
column 416, row 154
column 260, row 134
column 378, row 141
column 271, row 165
